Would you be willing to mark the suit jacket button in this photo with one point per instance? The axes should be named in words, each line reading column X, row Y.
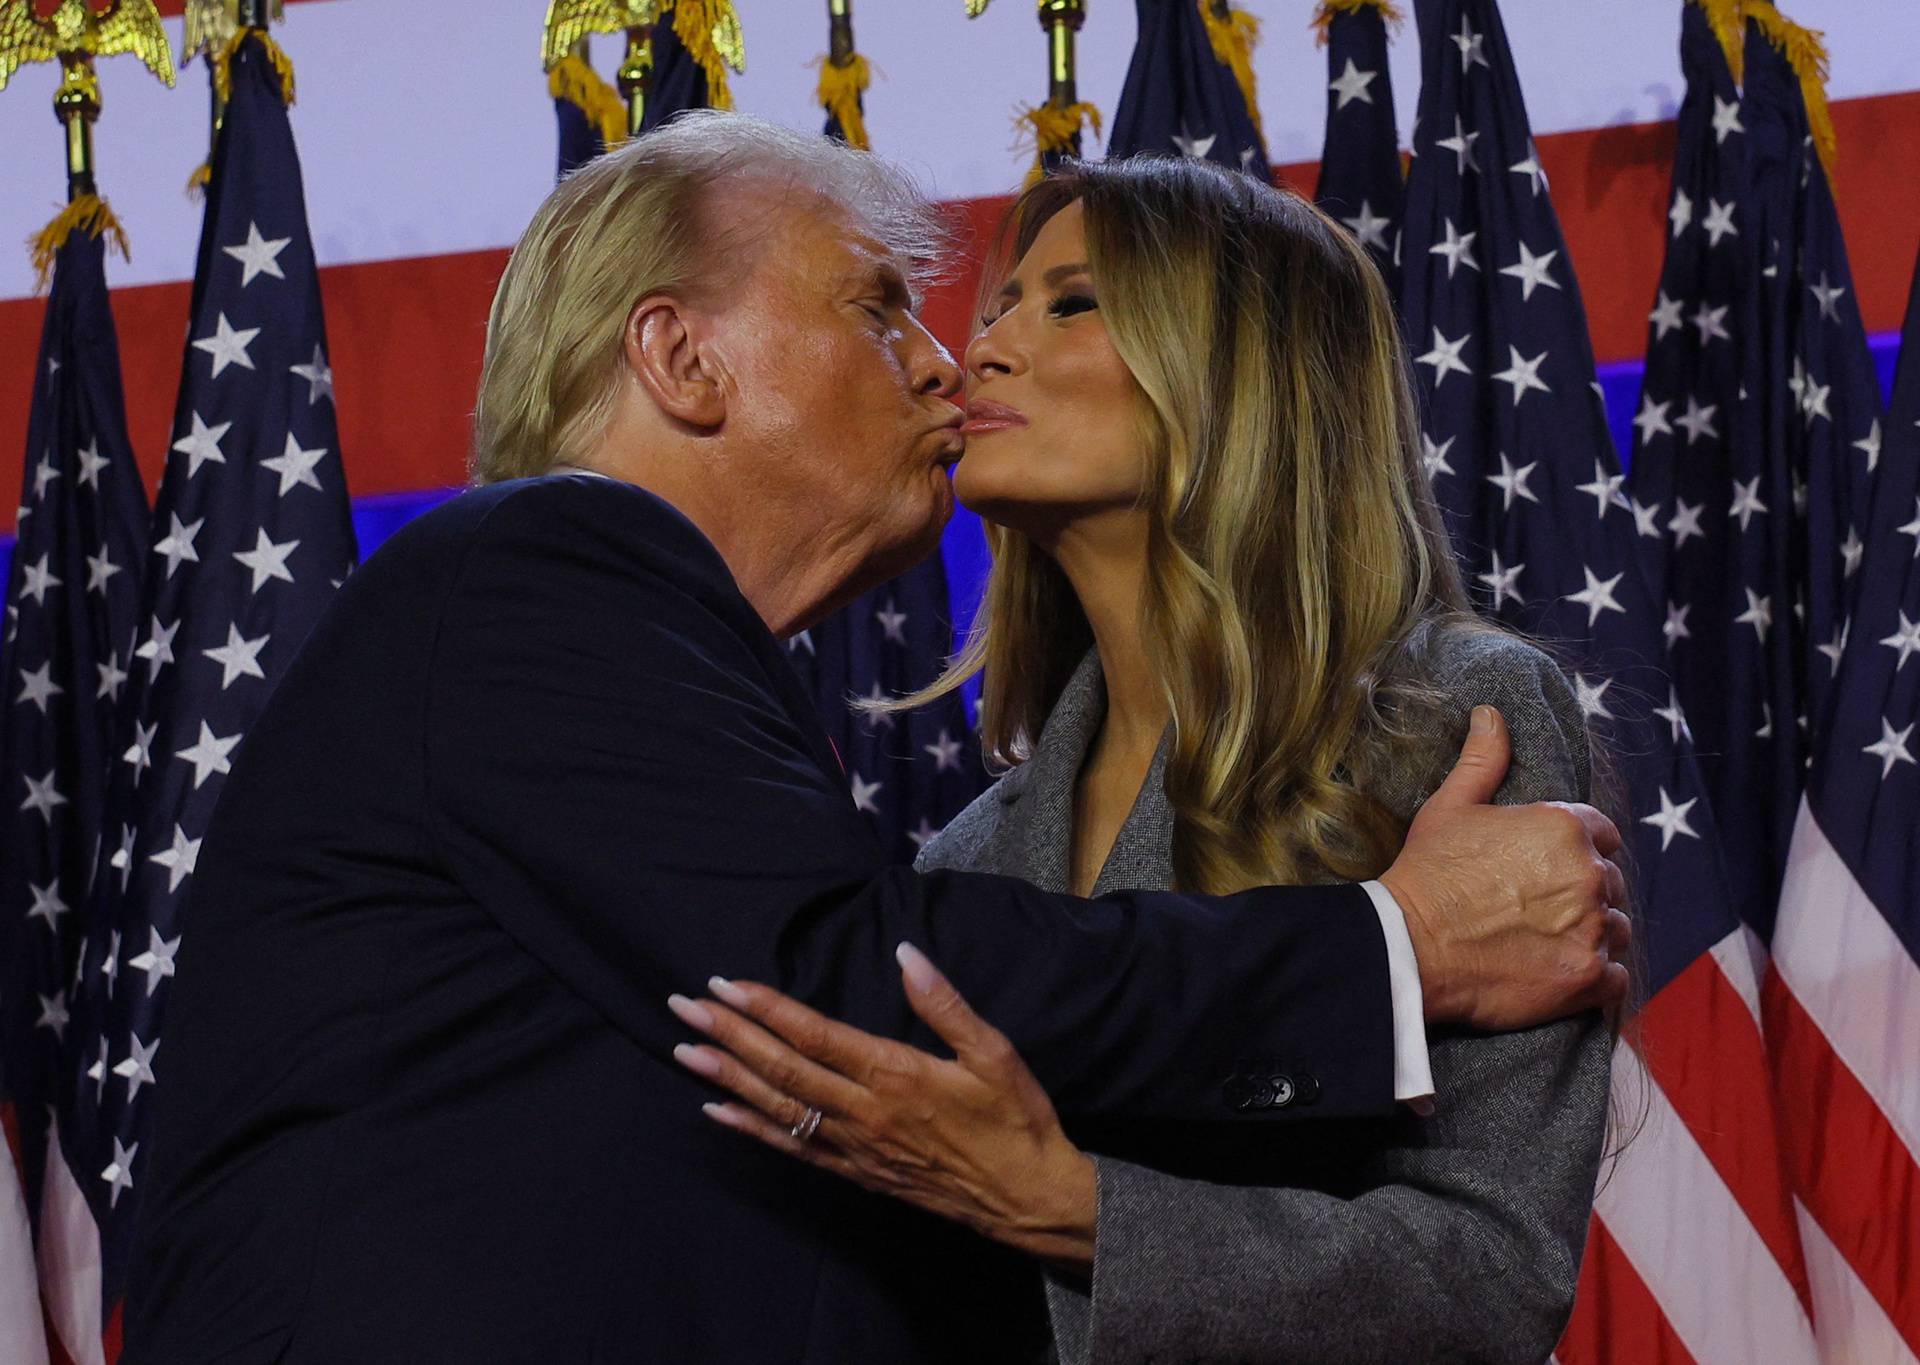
column 1305, row 1089
column 1237, row 1092
column 1282, row 1089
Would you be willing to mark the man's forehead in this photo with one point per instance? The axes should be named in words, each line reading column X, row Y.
column 818, row 237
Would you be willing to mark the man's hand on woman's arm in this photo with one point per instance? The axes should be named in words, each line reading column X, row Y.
column 1513, row 910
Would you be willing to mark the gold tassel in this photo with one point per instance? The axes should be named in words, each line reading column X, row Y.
column 1053, row 127
column 710, row 31
column 1389, row 11
column 90, row 214
column 840, row 91
column 576, row 82
column 197, row 182
column 1729, row 26
column 223, row 64
column 1806, row 52
column 1232, row 34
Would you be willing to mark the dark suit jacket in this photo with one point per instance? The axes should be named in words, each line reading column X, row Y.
column 540, row 766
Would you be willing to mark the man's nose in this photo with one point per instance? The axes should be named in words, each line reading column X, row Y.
column 935, row 372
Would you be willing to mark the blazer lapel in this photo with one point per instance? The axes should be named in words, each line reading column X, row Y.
column 1039, row 806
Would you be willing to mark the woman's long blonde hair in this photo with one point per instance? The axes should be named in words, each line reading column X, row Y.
column 1297, row 563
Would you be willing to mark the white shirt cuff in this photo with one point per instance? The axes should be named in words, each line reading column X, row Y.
column 1412, row 1073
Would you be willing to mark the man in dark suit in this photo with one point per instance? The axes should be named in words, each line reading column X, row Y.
column 544, row 764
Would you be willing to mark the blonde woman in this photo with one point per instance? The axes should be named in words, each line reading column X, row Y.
column 1224, row 643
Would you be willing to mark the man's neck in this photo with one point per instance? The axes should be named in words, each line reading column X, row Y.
column 788, row 585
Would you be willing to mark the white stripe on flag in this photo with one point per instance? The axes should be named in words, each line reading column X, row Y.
column 1852, row 975
column 1718, row 1284
column 70, row 1260
column 23, row 1341
column 1743, row 961
column 1853, row 1327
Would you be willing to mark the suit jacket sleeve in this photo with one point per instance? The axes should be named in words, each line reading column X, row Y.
column 1465, row 1242
column 618, row 776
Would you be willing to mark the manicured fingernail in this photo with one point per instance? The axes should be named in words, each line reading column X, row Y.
column 719, row 1113
column 727, row 991
column 696, row 1059
column 1483, row 720
column 691, row 1013
column 920, row 972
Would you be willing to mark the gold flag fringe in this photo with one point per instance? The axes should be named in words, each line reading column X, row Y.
column 90, row 214
column 1729, row 26
column 704, row 26
column 576, row 82
column 223, row 64
column 1232, row 35
column 840, row 91
column 1806, row 52
column 1323, row 16
column 1053, row 127
column 202, row 177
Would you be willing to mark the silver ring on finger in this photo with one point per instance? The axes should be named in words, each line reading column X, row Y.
column 808, row 1125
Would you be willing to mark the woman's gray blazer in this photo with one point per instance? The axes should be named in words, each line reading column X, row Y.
column 1451, row 1238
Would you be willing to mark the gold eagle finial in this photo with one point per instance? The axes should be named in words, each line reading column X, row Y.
column 211, row 25
column 569, row 21
column 76, row 31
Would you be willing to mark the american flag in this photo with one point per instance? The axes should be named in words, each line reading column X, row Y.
column 250, row 538
column 678, row 82
column 579, row 138
column 74, row 589
column 1759, row 438
column 1693, row 1252
column 1710, row 490
column 1180, row 97
column 1843, row 998
column 1360, row 180
column 913, row 771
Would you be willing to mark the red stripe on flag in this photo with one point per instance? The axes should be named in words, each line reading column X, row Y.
column 110, row 1336
column 1616, row 1320
column 1851, row 1169
column 10, row 1124
column 1700, row 1042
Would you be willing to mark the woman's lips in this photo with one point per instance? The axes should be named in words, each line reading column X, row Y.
column 983, row 417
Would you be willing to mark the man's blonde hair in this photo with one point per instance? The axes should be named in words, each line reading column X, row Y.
column 645, row 219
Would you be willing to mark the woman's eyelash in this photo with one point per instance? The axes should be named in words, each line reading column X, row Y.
column 1066, row 305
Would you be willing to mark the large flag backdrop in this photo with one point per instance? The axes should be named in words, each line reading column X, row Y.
column 71, row 600
column 1843, row 999
column 1693, row 1249
column 1834, row 1013
column 251, row 538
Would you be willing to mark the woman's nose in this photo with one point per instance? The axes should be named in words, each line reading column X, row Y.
column 989, row 352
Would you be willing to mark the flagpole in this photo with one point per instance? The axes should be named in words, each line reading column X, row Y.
column 1062, row 20
column 636, row 75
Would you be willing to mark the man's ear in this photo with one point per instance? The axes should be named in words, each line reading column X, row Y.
column 662, row 351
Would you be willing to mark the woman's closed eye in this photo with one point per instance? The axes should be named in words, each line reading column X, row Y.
column 1061, row 306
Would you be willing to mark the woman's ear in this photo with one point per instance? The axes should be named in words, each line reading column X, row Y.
column 664, row 355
